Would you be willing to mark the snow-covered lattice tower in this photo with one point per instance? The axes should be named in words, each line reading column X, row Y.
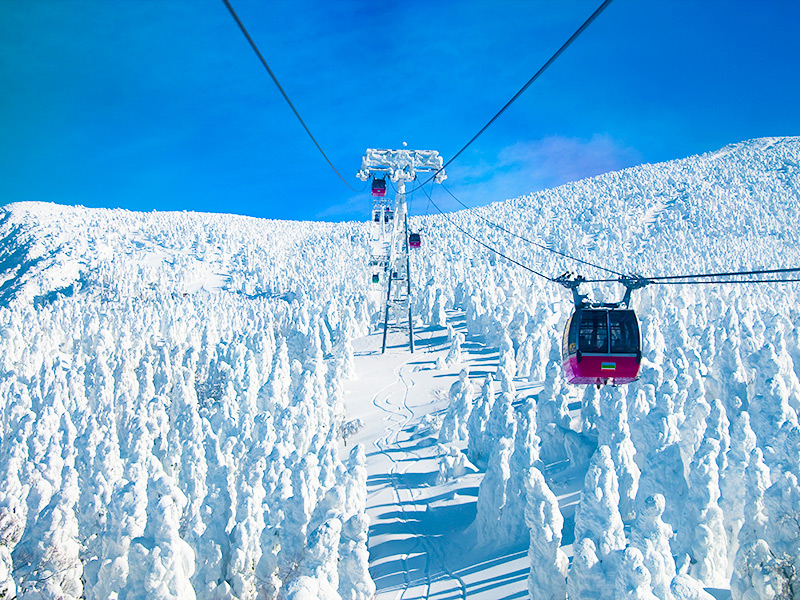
column 399, row 166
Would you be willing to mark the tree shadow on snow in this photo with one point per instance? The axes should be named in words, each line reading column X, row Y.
column 404, row 480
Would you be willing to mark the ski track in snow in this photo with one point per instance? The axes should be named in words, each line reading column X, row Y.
column 420, row 564
column 389, row 444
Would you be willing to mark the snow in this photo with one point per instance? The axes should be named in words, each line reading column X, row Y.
column 196, row 406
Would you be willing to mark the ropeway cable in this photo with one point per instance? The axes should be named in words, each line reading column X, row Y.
column 484, row 244
column 702, row 278
column 730, row 274
column 285, row 96
column 544, row 67
column 537, row 244
column 712, row 278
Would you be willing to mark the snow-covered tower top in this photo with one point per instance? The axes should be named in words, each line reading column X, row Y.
column 401, row 165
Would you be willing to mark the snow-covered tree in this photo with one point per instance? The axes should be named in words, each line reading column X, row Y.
column 549, row 564
column 702, row 533
column 652, row 538
column 479, row 443
column 597, row 516
column 492, row 494
column 454, row 426
column 587, row 577
column 633, row 579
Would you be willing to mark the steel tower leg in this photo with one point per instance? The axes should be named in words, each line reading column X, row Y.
column 386, row 317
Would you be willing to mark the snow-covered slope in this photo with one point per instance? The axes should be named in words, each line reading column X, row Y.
column 172, row 392
column 711, row 425
column 171, row 401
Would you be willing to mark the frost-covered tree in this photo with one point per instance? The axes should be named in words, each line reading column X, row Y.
column 453, row 463
column 702, row 533
column 505, row 379
column 734, row 484
column 663, row 472
column 343, row 351
column 161, row 563
column 633, row 579
column 770, row 409
column 317, row 575
column 298, row 510
column 507, row 359
column 549, row 564
column 587, row 577
column 685, row 587
column 525, row 358
column 126, row 521
column 652, row 537
column 479, row 442
column 8, row 588
column 718, row 428
column 692, row 431
column 492, row 494
column 549, row 429
column 47, row 562
column 454, row 426
column 757, row 481
column 524, row 457
column 755, row 569
column 438, row 316
column 597, row 516
column 590, row 411
column 355, row 582
column 454, row 354
column 541, row 354
column 615, row 434
column 782, row 504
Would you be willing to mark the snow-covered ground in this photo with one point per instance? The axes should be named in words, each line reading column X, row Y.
column 195, row 405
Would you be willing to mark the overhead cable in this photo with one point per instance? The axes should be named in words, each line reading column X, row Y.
column 537, row 244
column 701, row 278
column 730, row 274
column 544, row 67
column 485, row 245
column 728, row 281
column 712, row 278
column 285, row 96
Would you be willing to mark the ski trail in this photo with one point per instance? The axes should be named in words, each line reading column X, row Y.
column 420, row 542
column 431, row 547
column 393, row 400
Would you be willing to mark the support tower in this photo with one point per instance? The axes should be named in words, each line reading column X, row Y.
column 399, row 166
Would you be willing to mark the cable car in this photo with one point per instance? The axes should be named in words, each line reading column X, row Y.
column 602, row 342
column 379, row 187
column 414, row 240
column 601, row 346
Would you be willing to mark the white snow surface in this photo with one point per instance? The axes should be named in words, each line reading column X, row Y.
column 196, row 406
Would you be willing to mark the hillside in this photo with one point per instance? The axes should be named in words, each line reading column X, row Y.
column 177, row 388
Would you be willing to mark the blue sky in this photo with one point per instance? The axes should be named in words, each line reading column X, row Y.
column 162, row 105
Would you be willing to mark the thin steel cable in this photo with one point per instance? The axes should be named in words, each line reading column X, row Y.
column 537, row 244
column 285, row 96
column 730, row 274
column 485, row 245
column 544, row 67
column 707, row 282
column 705, row 278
